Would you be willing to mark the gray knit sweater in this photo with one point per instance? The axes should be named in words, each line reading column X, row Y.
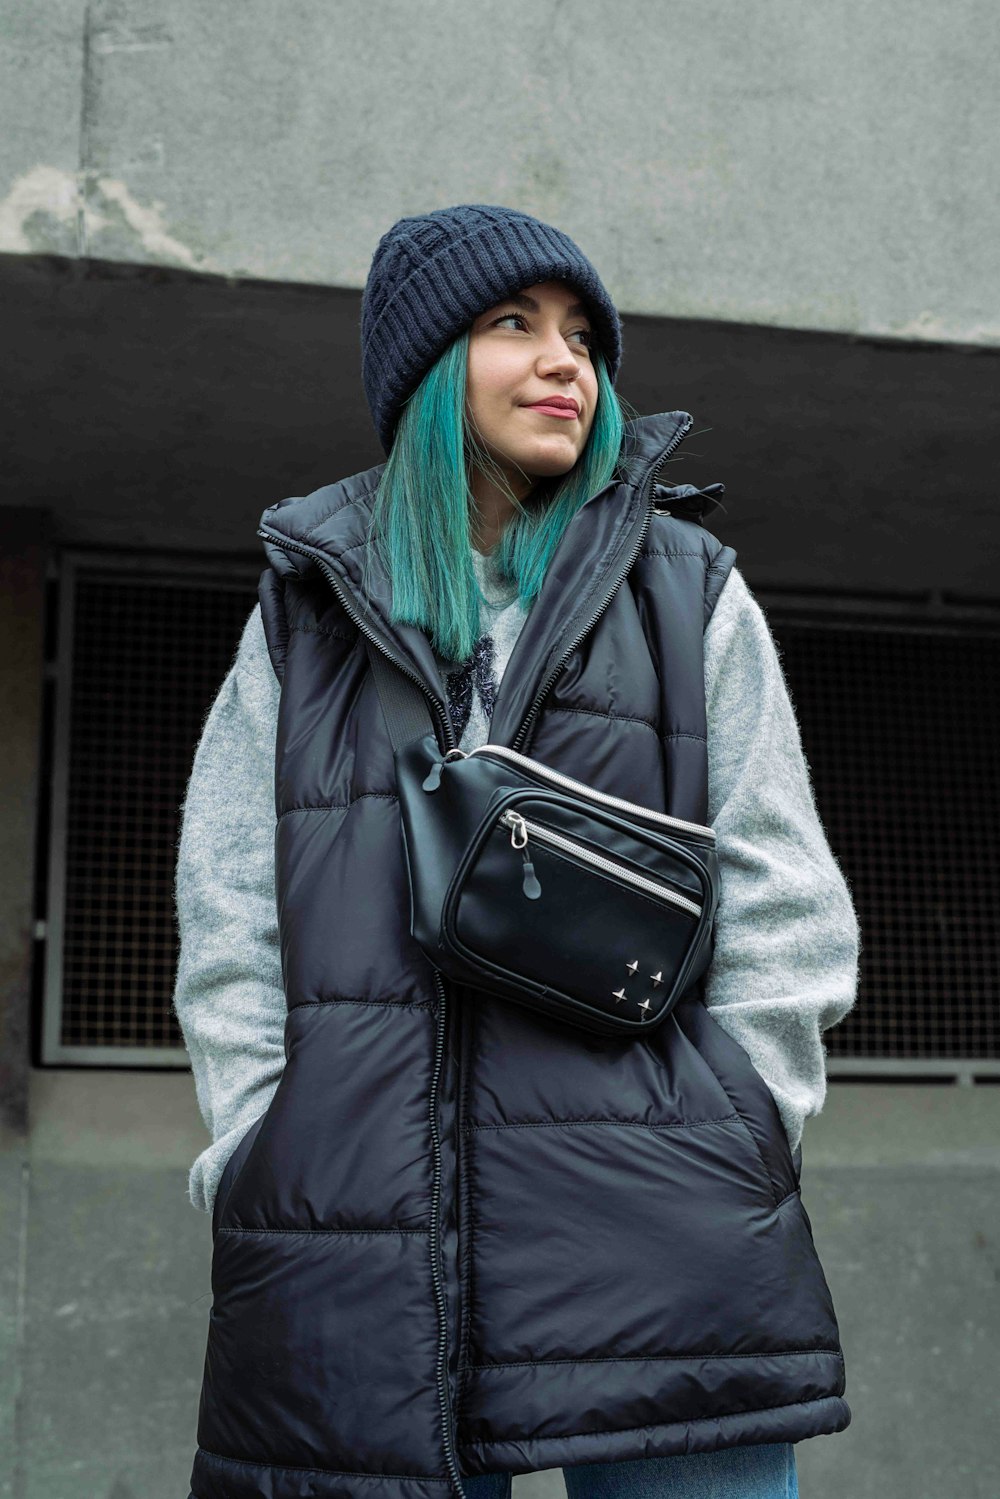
column 787, row 937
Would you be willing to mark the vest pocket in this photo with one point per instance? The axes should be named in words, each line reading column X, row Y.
column 231, row 1171
column 747, row 1092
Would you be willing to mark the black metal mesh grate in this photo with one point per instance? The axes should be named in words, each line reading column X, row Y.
column 900, row 729
column 149, row 656
column 899, row 726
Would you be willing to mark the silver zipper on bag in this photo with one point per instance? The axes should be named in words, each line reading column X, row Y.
column 580, row 788
column 521, row 828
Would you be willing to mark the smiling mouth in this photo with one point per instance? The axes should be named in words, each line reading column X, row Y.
column 567, row 413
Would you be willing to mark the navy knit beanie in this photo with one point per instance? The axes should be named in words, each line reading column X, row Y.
column 433, row 274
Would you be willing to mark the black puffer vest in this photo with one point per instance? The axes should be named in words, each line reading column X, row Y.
column 463, row 1238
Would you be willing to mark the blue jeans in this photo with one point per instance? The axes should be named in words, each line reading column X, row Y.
column 764, row 1471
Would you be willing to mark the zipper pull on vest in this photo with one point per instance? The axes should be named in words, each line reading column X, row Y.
column 432, row 780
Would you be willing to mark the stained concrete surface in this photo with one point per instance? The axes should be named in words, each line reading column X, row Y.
column 912, row 1256
column 107, row 1306
column 106, row 1291
column 822, row 166
column 115, row 1304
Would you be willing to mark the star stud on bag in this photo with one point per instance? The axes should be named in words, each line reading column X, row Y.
column 632, row 969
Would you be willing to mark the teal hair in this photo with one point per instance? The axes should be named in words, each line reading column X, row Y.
column 423, row 509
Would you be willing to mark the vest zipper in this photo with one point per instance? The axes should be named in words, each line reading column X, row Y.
column 444, row 1397
column 316, row 556
column 532, row 713
column 522, row 827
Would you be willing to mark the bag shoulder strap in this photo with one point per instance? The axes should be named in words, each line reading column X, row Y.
column 404, row 706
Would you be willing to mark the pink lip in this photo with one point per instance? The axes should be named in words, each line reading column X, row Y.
column 567, row 410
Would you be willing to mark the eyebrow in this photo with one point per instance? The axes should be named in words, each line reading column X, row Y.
column 521, row 299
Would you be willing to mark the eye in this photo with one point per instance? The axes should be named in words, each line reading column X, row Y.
column 519, row 317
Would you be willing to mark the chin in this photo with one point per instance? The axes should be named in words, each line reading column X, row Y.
column 546, row 462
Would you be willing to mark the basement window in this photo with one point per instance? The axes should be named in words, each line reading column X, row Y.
column 143, row 646
column 899, row 725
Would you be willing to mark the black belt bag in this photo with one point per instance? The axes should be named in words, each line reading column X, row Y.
column 542, row 890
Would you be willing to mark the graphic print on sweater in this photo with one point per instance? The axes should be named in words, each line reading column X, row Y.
column 477, row 673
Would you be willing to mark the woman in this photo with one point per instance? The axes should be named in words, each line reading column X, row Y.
column 455, row 1241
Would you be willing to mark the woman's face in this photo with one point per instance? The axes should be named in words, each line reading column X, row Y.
column 532, row 346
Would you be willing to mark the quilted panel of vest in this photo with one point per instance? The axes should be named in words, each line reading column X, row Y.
column 747, row 1092
column 600, row 1174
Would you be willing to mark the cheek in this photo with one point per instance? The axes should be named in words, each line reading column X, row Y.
column 491, row 391
column 496, row 367
column 589, row 389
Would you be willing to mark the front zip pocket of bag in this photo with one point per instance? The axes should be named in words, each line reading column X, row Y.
column 522, row 831
column 577, row 911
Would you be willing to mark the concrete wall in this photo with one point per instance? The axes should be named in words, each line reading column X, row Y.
column 819, row 167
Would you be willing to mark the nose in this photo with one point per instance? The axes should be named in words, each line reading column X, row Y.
column 557, row 356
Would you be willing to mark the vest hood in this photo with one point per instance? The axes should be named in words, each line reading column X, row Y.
column 325, row 533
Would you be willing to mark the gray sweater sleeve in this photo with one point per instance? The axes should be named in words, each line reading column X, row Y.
column 229, row 994
column 785, row 962
column 785, row 965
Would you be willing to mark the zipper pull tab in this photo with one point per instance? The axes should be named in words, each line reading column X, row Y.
column 519, row 839
column 531, row 887
column 432, row 780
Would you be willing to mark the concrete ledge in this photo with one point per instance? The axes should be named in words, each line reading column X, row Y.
column 905, row 1124
column 112, row 1117
column 115, row 1116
